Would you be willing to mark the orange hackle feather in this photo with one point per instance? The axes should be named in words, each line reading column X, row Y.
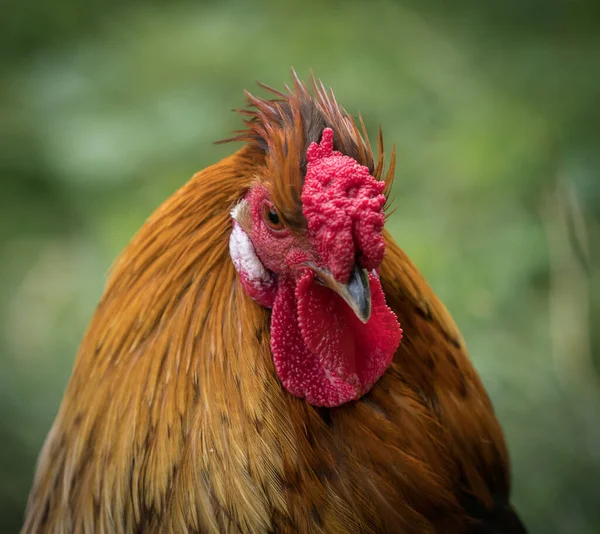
column 174, row 419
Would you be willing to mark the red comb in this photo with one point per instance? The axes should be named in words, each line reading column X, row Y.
column 343, row 205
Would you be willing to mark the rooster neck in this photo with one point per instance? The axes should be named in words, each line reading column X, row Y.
column 174, row 419
column 163, row 381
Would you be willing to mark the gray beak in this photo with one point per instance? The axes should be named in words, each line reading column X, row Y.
column 356, row 293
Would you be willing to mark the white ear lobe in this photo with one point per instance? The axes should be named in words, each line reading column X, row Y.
column 244, row 258
column 258, row 282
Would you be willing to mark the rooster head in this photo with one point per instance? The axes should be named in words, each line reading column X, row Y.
column 311, row 250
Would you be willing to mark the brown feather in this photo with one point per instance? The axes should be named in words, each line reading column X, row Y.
column 174, row 419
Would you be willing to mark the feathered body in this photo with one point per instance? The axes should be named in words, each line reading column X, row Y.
column 175, row 420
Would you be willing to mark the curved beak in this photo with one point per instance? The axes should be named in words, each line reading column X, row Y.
column 356, row 293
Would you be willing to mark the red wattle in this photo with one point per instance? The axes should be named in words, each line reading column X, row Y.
column 321, row 350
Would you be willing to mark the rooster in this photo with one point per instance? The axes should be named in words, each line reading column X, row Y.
column 246, row 371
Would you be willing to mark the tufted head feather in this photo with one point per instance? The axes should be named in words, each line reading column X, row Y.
column 283, row 129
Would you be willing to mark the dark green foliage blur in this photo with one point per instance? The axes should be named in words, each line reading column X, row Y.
column 107, row 107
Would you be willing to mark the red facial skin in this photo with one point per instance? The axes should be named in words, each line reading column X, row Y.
column 321, row 350
column 280, row 250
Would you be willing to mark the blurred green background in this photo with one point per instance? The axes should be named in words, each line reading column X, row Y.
column 107, row 107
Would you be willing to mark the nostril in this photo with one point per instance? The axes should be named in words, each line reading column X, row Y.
column 319, row 279
column 319, row 274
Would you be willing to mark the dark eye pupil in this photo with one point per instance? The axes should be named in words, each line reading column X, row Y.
column 273, row 217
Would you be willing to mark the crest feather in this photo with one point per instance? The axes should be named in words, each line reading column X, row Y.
column 283, row 128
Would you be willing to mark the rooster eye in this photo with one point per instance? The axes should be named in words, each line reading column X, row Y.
column 272, row 217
